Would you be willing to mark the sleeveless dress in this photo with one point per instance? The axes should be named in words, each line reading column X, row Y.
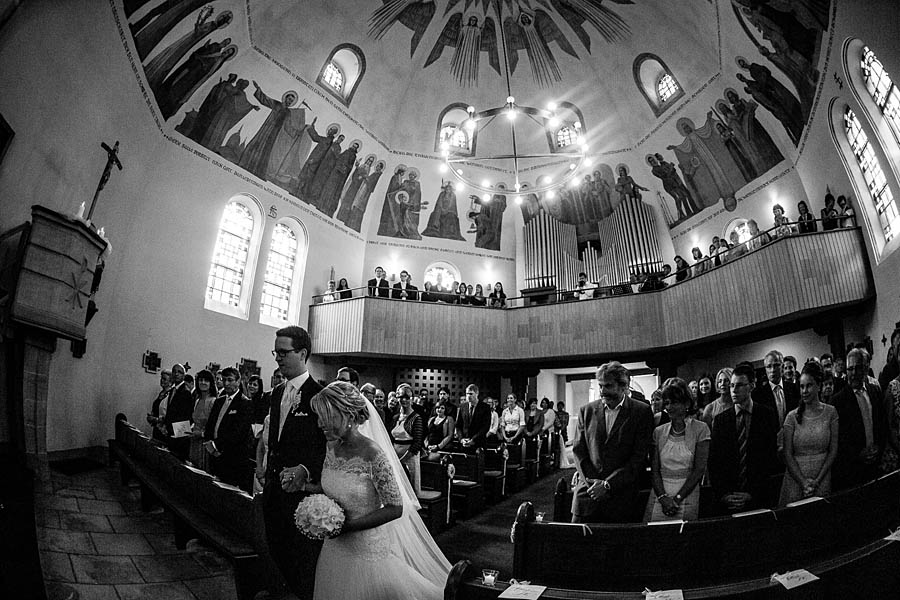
column 811, row 439
column 362, row 565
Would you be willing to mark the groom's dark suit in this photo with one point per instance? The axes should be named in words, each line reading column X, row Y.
column 617, row 456
column 301, row 442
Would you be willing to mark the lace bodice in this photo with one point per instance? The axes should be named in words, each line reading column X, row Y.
column 358, row 485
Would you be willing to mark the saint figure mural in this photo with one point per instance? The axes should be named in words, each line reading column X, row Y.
column 255, row 157
column 402, row 206
column 772, row 95
column 331, row 191
column 356, row 181
column 740, row 116
column 317, row 185
column 323, row 144
column 673, row 185
column 361, row 199
column 150, row 29
column 181, row 84
column 489, row 221
column 225, row 105
column 444, row 219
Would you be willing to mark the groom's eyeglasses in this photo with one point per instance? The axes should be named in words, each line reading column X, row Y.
column 282, row 353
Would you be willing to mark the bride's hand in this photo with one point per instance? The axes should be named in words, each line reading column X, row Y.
column 293, row 478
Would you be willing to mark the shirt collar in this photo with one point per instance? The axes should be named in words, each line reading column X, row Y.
column 620, row 405
column 749, row 410
column 298, row 381
column 775, row 385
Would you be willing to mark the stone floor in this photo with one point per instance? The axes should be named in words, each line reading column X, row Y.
column 96, row 543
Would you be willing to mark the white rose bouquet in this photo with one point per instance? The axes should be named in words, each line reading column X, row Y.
column 319, row 517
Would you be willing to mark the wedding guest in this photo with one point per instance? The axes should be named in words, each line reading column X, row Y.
column 461, row 293
column 440, row 431
column 257, row 398
column 737, row 248
column 154, row 417
column 806, row 222
column 348, row 374
column 205, row 394
column 497, row 298
column 189, row 382
column 810, row 441
column 380, row 403
column 757, row 239
column 848, row 216
column 534, row 421
column 782, row 223
column 478, row 298
column 562, row 421
column 368, row 392
column 492, row 438
column 723, row 401
column 682, row 269
column 343, row 289
column 890, row 460
column 705, row 394
column 179, row 407
column 330, row 294
column 701, row 265
column 219, row 382
column 827, row 391
column 829, row 214
column 678, row 458
column 549, row 415
column 513, row 421
column 407, row 431
column 694, row 388
column 228, row 432
column 262, row 452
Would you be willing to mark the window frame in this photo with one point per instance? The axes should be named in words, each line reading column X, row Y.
column 444, row 121
column 648, row 83
column 351, row 80
column 294, row 299
column 332, row 65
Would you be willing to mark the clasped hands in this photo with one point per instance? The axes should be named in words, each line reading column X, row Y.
column 810, row 485
column 669, row 504
column 293, row 479
column 737, row 500
column 596, row 490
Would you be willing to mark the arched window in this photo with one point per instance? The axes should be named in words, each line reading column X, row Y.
column 565, row 137
column 873, row 174
column 333, row 77
column 656, row 82
column 280, row 300
column 230, row 278
column 452, row 128
column 442, row 271
column 342, row 71
column 882, row 89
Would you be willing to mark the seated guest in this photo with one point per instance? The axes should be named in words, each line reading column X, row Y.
column 178, row 410
column 343, row 289
column 440, row 431
column 497, row 299
column 407, row 430
column 228, row 431
column 723, row 401
column 743, row 452
column 810, row 441
column 348, row 374
column 583, row 289
column 682, row 269
column 158, row 408
column 512, row 421
column 405, row 290
column 612, row 439
column 863, row 425
column 678, row 458
column 330, row 294
column 378, row 285
column 473, row 422
column 205, row 394
column 806, row 221
column 478, row 298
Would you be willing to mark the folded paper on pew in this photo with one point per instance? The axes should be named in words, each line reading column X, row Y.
column 679, row 522
column 663, row 595
column 181, row 429
column 895, row 536
column 793, row 579
column 523, row 591
column 198, row 471
column 804, row 501
column 750, row 513
column 257, row 428
column 233, row 488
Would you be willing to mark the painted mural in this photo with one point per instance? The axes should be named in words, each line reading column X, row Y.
column 470, row 28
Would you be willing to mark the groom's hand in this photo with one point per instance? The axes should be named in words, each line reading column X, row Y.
column 293, row 478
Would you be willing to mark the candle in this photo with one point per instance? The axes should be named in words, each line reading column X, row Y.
column 489, row 576
column 80, row 214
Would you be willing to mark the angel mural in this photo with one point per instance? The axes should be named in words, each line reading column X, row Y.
column 472, row 28
column 444, row 219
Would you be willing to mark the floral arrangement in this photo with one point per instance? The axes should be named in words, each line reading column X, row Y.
column 319, row 517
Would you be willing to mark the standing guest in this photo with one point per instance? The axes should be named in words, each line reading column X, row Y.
column 777, row 393
column 612, row 439
column 343, row 289
column 512, row 421
column 583, row 289
column 204, row 397
column 782, row 223
column 330, row 294
column 829, row 214
column 380, row 402
column 789, row 370
column 262, row 452
column 810, row 441
column 478, row 298
column 705, row 394
column 839, row 370
column 296, row 454
column 493, row 435
column 368, row 392
column 461, row 293
column 757, row 239
column 678, row 458
column 405, row 290
column 348, row 374
column 743, row 452
column 848, row 217
column 863, row 431
column 154, row 417
column 723, row 401
column 444, row 396
column 218, row 375
column 473, row 422
column 407, row 431
column 440, row 431
column 806, row 222
column 228, row 433
column 892, row 364
column 656, row 405
column 826, row 394
column 393, row 405
column 562, row 421
column 534, row 422
column 497, row 299
column 549, row 415
column 737, row 248
column 189, row 382
column 701, row 265
column 890, row 460
column 179, row 408
column 257, row 399
column 378, row 285
column 682, row 269
column 694, row 388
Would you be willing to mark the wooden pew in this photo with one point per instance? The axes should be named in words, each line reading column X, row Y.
column 435, row 496
column 516, row 477
column 228, row 520
column 468, row 482
column 495, row 464
column 702, row 553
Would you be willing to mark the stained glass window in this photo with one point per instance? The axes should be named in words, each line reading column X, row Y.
column 881, row 88
column 276, row 292
column 873, row 174
column 226, row 274
column 565, row 137
column 334, row 77
column 666, row 87
column 456, row 136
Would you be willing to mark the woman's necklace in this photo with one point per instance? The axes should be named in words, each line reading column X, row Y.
column 676, row 432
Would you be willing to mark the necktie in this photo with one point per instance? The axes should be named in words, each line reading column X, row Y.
column 287, row 399
column 779, row 402
column 743, row 428
column 865, row 409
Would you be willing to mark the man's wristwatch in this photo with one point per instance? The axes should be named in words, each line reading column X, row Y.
column 605, row 484
column 679, row 498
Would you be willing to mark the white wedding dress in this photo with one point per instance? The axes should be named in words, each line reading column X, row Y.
column 397, row 560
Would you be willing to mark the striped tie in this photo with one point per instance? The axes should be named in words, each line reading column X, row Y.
column 742, row 449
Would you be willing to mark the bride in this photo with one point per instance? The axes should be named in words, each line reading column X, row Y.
column 384, row 550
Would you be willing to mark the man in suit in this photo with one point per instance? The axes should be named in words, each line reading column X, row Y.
column 777, row 393
column 228, row 433
column 474, row 421
column 743, row 452
column 862, row 425
column 611, row 445
column 348, row 374
column 296, row 454
column 379, row 286
column 405, row 290
column 179, row 408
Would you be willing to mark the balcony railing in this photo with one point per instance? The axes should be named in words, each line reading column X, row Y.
column 791, row 277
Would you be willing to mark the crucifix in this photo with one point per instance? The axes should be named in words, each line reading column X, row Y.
column 112, row 158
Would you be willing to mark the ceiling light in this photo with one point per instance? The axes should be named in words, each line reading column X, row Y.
column 518, row 199
column 553, row 122
column 551, row 194
column 442, row 168
column 485, row 183
column 551, row 106
column 486, row 197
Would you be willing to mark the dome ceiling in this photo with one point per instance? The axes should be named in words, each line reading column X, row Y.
column 422, row 56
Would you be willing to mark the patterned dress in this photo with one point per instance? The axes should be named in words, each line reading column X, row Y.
column 811, row 441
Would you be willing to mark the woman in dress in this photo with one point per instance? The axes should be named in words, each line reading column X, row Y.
column 701, row 265
column 810, row 441
column 343, row 289
column 440, row 431
column 682, row 269
column 205, row 394
column 497, row 298
column 534, row 422
column 848, row 216
column 890, row 459
column 805, row 222
column 478, row 298
column 723, row 402
column 153, row 417
column 829, row 214
column 461, row 294
column 782, row 223
column 705, row 394
column 408, row 435
column 383, row 550
column 678, row 458
column 512, row 421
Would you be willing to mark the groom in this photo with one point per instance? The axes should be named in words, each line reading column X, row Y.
column 296, row 454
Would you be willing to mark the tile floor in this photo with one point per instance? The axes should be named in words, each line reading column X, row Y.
column 96, row 543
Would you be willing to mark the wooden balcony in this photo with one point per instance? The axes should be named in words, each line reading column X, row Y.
column 791, row 279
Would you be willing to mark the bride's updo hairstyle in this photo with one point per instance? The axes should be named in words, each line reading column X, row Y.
column 340, row 402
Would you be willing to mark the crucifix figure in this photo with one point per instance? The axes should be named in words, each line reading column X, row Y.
column 112, row 159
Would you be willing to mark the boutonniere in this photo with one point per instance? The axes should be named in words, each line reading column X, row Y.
column 295, row 406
